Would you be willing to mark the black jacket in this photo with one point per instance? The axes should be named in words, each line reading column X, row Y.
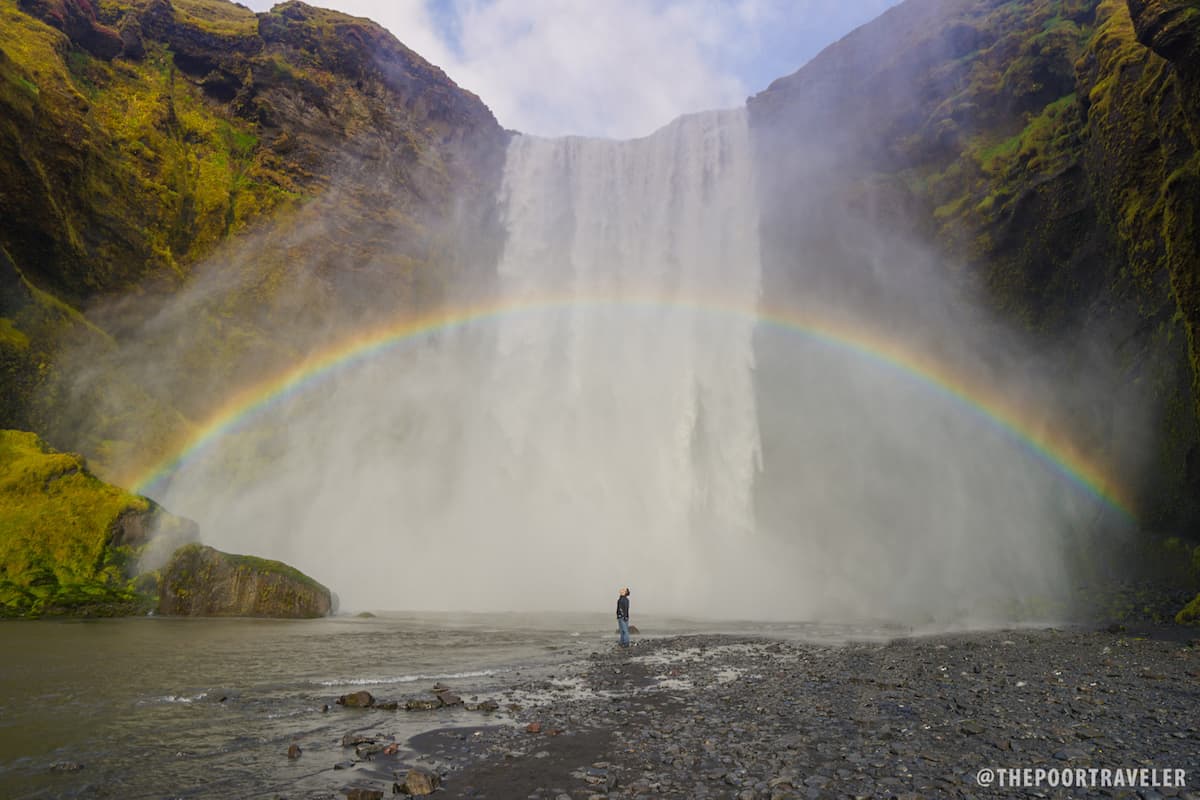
column 623, row 607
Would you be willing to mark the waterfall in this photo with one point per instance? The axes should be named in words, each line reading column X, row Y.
column 618, row 412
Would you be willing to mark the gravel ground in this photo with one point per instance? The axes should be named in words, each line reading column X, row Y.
column 728, row 717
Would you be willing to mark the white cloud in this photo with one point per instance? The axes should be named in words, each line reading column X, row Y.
column 617, row 68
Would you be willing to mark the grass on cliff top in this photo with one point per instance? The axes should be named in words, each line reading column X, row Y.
column 218, row 17
column 55, row 524
column 255, row 564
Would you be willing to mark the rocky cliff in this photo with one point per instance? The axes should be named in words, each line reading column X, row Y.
column 1045, row 150
column 317, row 168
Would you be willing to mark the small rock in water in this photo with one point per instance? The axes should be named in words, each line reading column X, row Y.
column 424, row 703
column 354, row 739
column 358, row 793
column 533, row 727
column 390, row 705
column 294, row 751
column 66, row 766
column 365, row 615
column 356, row 700
column 420, row 782
column 450, row 699
column 488, row 706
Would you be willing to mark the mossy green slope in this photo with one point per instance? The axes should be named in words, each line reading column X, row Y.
column 63, row 533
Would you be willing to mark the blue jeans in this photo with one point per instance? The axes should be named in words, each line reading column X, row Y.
column 623, row 625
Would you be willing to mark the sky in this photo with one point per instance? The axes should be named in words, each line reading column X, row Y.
column 612, row 68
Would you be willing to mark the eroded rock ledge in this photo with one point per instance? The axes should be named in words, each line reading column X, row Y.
column 202, row 581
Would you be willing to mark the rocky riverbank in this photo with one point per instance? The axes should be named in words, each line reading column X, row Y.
column 716, row 716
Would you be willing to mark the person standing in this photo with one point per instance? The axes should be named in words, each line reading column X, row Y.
column 623, row 616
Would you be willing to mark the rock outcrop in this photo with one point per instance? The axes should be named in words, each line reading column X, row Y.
column 1170, row 28
column 77, row 19
column 202, row 582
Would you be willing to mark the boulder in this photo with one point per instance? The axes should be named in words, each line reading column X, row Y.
column 361, row 699
column 424, row 703
column 202, row 582
column 419, row 782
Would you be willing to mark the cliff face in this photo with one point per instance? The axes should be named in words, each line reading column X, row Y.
column 140, row 138
column 1045, row 150
column 201, row 581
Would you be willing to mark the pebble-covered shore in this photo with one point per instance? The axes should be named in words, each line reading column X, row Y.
column 716, row 716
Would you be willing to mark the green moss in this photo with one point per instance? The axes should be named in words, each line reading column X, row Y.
column 11, row 337
column 1189, row 614
column 217, row 17
column 56, row 525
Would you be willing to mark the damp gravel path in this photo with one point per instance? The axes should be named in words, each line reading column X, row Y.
column 727, row 717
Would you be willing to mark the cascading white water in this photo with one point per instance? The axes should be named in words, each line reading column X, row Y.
column 623, row 418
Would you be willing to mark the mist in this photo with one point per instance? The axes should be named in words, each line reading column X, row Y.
column 623, row 419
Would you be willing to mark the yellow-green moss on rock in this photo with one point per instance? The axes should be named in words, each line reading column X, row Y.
column 68, row 541
column 1190, row 614
column 202, row 581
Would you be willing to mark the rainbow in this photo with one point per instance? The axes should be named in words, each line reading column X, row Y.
column 1053, row 448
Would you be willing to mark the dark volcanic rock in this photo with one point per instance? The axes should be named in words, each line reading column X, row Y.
column 201, row 581
column 77, row 19
column 1170, row 28
column 696, row 717
column 423, row 703
column 362, row 699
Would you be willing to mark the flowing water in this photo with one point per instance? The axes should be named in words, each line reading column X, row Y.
column 158, row 707
column 208, row 708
